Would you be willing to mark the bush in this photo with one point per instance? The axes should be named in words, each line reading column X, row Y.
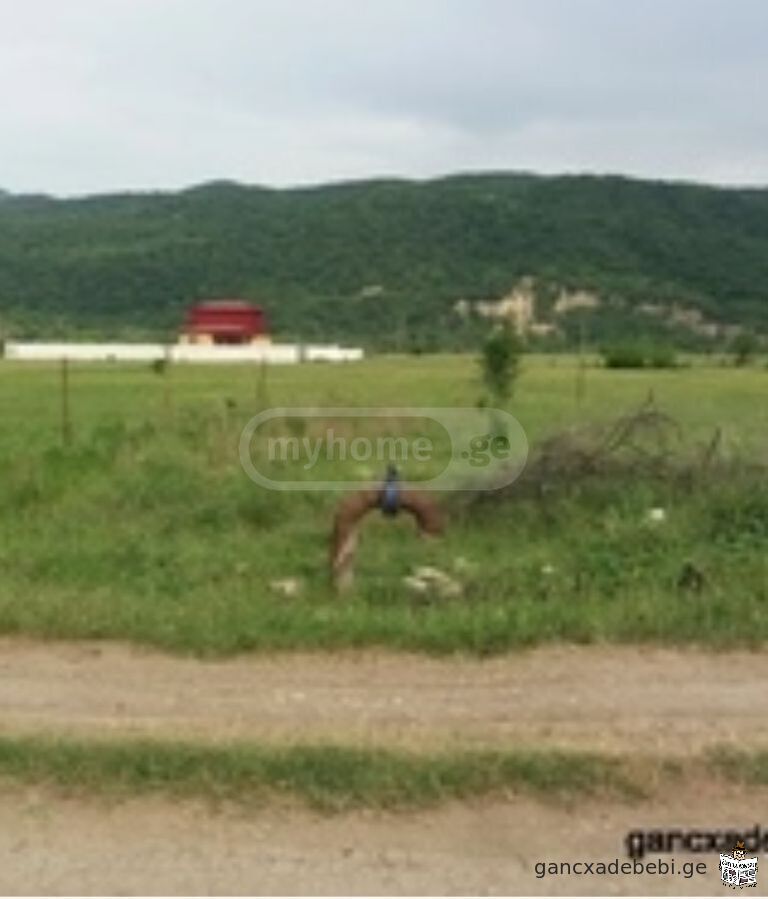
column 661, row 356
column 637, row 355
column 743, row 347
column 500, row 362
column 626, row 356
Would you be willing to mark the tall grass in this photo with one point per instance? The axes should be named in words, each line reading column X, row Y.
column 146, row 528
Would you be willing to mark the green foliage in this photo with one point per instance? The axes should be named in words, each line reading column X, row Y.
column 628, row 355
column 740, row 518
column 662, row 356
column 640, row 355
column 384, row 262
column 500, row 362
column 743, row 347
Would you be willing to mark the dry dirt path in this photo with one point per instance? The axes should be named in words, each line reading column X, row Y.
column 620, row 699
column 55, row 846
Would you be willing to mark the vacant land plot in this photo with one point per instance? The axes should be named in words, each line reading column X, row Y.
column 144, row 526
column 319, row 743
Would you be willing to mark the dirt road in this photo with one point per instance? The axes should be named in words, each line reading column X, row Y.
column 609, row 699
column 59, row 847
column 604, row 698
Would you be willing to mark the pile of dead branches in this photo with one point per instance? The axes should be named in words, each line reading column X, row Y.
column 646, row 445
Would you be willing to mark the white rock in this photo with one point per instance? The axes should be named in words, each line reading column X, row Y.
column 287, row 586
column 438, row 581
column 416, row 585
column 427, row 573
column 657, row 514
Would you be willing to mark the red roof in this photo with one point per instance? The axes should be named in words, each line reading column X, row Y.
column 226, row 318
column 237, row 305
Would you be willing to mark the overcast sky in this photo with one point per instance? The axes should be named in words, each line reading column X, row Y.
column 103, row 95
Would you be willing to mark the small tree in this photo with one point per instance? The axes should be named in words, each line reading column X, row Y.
column 743, row 347
column 500, row 362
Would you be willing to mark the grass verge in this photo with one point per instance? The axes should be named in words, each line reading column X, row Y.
column 742, row 766
column 330, row 778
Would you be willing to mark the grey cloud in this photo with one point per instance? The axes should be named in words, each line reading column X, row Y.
column 110, row 94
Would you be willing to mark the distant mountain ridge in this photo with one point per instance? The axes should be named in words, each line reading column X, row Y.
column 394, row 263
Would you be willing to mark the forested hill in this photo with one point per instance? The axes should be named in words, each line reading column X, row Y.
column 385, row 262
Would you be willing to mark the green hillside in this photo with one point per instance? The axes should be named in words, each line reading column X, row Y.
column 384, row 262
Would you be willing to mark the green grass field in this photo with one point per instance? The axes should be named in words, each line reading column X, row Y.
column 145, row 527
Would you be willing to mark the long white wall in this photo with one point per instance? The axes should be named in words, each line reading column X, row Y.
column 273, row 353
column 86, row 352
column 334, row 353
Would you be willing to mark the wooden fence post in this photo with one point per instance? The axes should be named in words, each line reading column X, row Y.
column 66, row 423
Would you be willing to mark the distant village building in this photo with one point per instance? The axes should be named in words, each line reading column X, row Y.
column 517, row 307
column 567, row 301
column 224, row 322
column 214, row 331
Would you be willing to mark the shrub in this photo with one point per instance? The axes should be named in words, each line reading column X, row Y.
column 501, row 361
column 624, row 356
column 661, row 356
column 638, row 355
column 743, row 347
